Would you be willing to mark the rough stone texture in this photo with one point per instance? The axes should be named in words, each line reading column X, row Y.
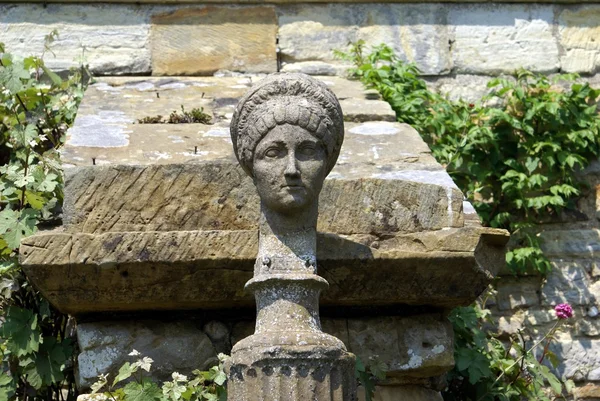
column 417, row 346
column 174, row 346
column 486, row 41
column 421, row 346
column 441, row 38
column 416, row 33
column 200, row 41
column 219, row 196
column 160, row 270
column 515, row 293
column 579, row 31
column 113, row 39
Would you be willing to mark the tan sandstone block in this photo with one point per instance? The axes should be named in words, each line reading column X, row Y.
column 580, row 37
column 204, row 40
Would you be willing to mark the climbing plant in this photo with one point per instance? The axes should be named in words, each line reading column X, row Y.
column 515, row 154
column 36, row 108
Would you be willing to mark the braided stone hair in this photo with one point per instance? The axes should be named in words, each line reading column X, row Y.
column 287, row 98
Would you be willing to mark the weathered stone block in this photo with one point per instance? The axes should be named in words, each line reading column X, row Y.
column 518, row 293
column 204, row 40
column 415, row 31
column 174, row 346
column 220, row 196
column 410, row 346
column 112, row 39
column 503, row 39
column 579, row 31
column 580, row 356
column 567, row 282
column 581, row 244
column 160, row 270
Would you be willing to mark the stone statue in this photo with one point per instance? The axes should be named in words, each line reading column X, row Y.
column 287, row 132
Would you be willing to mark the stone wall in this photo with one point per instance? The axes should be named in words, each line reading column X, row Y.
column 457, row 45
column 573, row 246
column 444, row 40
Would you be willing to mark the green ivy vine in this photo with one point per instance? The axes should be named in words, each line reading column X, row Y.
column 36, row 108
column 516, row 154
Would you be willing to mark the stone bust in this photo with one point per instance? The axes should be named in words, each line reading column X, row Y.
column 287, row 132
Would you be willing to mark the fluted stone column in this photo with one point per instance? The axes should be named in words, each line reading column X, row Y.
column 287, row 132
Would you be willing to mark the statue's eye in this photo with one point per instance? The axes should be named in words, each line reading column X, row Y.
column 273, row 152
column 308, row 150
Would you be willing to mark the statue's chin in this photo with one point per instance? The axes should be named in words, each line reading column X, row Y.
column 288, row 204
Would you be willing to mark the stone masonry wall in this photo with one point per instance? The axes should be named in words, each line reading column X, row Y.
column 573, row 246
column 457, row 45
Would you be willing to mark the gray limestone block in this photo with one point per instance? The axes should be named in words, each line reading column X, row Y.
column 174, row 346
column 112, row 39
column 567, row 282
column 580, row 357
column 504, row 38
column 518, row 293
column 416, row 32
column 409, row 346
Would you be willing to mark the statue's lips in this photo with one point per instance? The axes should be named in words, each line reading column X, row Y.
column 293, row 186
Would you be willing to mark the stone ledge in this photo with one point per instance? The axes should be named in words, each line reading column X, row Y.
column 134, row 271
column 220, row 196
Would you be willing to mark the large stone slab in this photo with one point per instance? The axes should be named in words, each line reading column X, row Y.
column 179, row 346
column 579, row 30
column 112, row 39
column 489, row 39
column 203, row 40
column 207, row 269
column 219, row 196
column 416, row 32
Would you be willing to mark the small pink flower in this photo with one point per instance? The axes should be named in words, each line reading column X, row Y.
column 563, row 311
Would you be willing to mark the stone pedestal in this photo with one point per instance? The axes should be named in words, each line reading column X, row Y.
column 161, row 225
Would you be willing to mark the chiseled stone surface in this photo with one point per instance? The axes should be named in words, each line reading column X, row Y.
column 488, row 40
column 160, row 270
column 112, row 39
column 416, row 32
column 203, row 40
column 579, row 33
column 211, row 196
column 174, row 346
column 421, row 345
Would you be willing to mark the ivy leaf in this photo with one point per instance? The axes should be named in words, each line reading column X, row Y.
column 48, row 364
column 21, row 330
column 11, row 76
column 35, row 200
column 15, row 225
column 125, row 372
column 147, row 390
column 7, row 386
column 23, row 136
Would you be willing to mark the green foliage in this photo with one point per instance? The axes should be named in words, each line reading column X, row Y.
column 197, row 115
column 36, row 108
column 206, row 385
column 517, row 161
column 488, row 370
column 515, row 154
column 369, row 374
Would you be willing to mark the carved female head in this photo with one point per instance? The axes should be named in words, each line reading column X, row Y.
column 287, row 132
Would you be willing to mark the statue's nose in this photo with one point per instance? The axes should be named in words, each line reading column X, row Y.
column 291, row 166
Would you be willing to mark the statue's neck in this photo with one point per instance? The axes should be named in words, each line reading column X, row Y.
column 287, row 242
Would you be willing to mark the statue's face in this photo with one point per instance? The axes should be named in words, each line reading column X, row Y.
column 289, row 169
